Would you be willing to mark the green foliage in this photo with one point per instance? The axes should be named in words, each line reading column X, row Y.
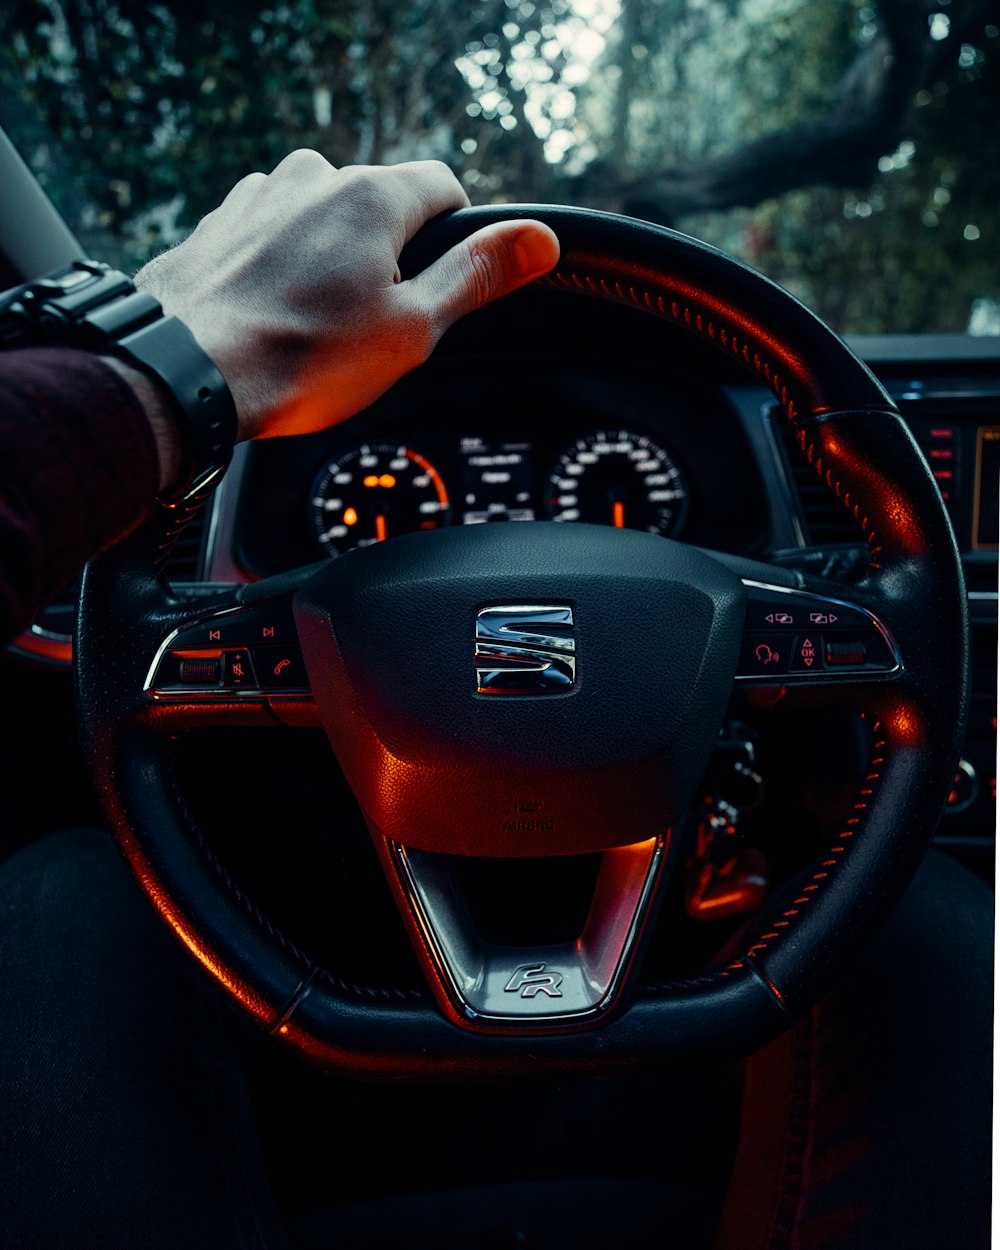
column 913, row 250
column 139, row 116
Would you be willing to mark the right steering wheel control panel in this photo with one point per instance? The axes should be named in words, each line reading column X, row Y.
column 792, row 636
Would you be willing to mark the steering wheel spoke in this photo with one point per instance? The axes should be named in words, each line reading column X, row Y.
column 243, row 656
column 556, row 986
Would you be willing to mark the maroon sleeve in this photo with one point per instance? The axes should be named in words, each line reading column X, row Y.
column 78, row 468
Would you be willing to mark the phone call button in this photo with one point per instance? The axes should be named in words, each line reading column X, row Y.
column 280, row 668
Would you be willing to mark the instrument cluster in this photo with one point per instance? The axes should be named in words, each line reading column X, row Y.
column 461, row 444
column 375, row 489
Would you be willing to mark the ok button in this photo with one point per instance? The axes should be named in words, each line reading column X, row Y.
column 807, row 654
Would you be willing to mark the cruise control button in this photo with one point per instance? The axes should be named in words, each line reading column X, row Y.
column 280, row 668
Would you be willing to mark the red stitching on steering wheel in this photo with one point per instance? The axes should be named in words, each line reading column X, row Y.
column 691, row 318
column 809, row 891
column 698, row 323
column 834, row 484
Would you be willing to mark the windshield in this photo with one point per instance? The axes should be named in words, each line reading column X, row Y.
column 847, row 148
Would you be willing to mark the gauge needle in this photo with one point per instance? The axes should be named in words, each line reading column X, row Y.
column 379, row 528
column 618, row 514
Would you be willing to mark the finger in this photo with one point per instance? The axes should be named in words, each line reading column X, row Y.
column 492, row 262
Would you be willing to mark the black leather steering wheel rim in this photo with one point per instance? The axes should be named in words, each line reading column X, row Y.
column 854, row 437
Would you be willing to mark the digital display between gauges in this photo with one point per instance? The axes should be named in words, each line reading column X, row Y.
column 496, row 481
column 372, row 492
column 620, row 478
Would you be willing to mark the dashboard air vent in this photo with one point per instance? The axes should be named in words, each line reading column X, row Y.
column 824, row 520
column 184, row 562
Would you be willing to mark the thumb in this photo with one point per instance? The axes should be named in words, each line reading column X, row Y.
column 492, row 262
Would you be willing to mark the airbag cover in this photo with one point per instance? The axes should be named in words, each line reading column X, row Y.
column 388, row 634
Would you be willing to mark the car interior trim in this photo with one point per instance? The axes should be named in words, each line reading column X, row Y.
column 517, row 987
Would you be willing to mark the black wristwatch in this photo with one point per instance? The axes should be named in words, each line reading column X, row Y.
column 91, row 306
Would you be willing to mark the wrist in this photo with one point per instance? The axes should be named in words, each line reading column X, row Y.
column 172, row 455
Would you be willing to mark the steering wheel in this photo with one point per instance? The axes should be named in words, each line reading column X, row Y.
column 535, row 689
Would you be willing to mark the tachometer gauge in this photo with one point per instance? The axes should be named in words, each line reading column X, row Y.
column 620, row 478
column 374, row 491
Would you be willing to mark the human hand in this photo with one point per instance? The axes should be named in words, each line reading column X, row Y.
column 292, row 285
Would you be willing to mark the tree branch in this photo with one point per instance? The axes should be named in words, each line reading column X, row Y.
column 866, row 120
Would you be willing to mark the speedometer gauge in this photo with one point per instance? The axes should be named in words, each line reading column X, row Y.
column 374, row 491
column 620, row 478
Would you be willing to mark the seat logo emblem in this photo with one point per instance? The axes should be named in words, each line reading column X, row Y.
column 530, row 980
column 525, row 650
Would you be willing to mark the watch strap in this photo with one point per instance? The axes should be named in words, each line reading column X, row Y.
column 167, row 350
column 91, row 306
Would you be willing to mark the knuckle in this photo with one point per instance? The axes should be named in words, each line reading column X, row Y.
column 252, row 182
column 302, row 161
column 247, row 187
column 439, row 182
column 439, row 169
column 365, row 189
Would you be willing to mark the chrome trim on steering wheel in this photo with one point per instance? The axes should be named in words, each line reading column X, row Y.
column 529, row 989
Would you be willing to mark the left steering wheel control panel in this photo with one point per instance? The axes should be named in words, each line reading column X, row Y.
column 242, row 652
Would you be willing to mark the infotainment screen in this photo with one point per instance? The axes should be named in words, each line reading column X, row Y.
column 986, row 508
